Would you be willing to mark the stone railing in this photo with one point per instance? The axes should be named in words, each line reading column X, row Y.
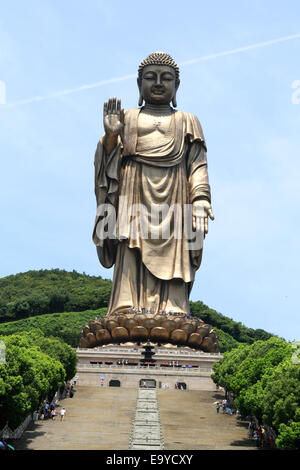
column 7, row 433
column 184, row 352
column 178, row 370
column 158, row 351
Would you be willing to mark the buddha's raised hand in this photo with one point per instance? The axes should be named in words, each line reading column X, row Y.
column 113, row 117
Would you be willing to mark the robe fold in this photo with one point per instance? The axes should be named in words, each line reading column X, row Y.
column 155, row 262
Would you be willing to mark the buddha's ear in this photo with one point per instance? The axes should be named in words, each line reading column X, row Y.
column 174, row 100
column 141, row 99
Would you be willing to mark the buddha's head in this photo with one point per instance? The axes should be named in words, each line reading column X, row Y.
column 158, row 79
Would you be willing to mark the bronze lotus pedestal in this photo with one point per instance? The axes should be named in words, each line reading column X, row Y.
column 161, row 328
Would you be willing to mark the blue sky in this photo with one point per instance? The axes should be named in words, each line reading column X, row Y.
column 244, row 101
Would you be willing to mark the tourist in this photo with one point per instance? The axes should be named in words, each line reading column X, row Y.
column 263, row 437
column 250, row 429
column 62, row 414
column 256, row 438
column 53, row 413
column 271, row 441
column 45, row 412
column 224, row 405
column 259, row 431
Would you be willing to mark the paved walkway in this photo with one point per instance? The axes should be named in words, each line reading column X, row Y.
column 96, row 418
column 190, row 421
column 101, row 418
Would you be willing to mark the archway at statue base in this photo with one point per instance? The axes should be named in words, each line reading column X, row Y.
column 147, row 383
column 181, row 386
column 114, row 383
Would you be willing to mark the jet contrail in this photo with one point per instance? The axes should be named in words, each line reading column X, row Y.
column 241, row 49
column 68, row 92
column 127, row 77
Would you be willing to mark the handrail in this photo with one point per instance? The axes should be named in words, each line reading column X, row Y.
column 143, row 368
column 173, row 352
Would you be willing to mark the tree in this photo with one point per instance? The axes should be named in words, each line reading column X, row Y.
column 281, row 394
column 225, row 340
column 58, row 301
column 21, row 308
column 224, row 370
column 26, row 378
column 3, row 310
column 265, row 383
column 55, row 348
column 262, row 356
column 289, row 436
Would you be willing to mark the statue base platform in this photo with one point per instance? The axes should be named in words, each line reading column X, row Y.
column 163, row 328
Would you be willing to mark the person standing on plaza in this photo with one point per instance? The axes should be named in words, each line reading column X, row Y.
column 62, row 414
column 256, row 438
column 224, row 405
column 250, row 429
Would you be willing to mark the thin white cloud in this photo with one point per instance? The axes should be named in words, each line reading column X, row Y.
column 127, row 77
column 241, row 49
column 56, row 94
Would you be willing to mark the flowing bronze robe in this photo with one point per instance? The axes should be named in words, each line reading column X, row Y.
column 151, row 272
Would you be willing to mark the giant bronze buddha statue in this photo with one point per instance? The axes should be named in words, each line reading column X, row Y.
column 153, row 204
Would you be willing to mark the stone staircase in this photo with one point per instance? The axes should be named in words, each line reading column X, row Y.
column 146, row 431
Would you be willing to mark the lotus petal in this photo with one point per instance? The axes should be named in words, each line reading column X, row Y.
column 120, row 334
column 159, row 334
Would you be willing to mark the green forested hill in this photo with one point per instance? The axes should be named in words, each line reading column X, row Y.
column 73, row 299
column 66, row 326
column 235, row 329
column 50, row 291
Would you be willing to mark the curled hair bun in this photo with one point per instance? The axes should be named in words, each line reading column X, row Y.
column 159, row 58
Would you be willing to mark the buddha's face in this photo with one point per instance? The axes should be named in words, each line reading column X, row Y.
column 158, row 84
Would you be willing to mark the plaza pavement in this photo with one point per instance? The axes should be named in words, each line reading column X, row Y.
column 101, row 419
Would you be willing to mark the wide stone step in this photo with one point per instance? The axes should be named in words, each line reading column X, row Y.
column 146, row 447
column 146, row 405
